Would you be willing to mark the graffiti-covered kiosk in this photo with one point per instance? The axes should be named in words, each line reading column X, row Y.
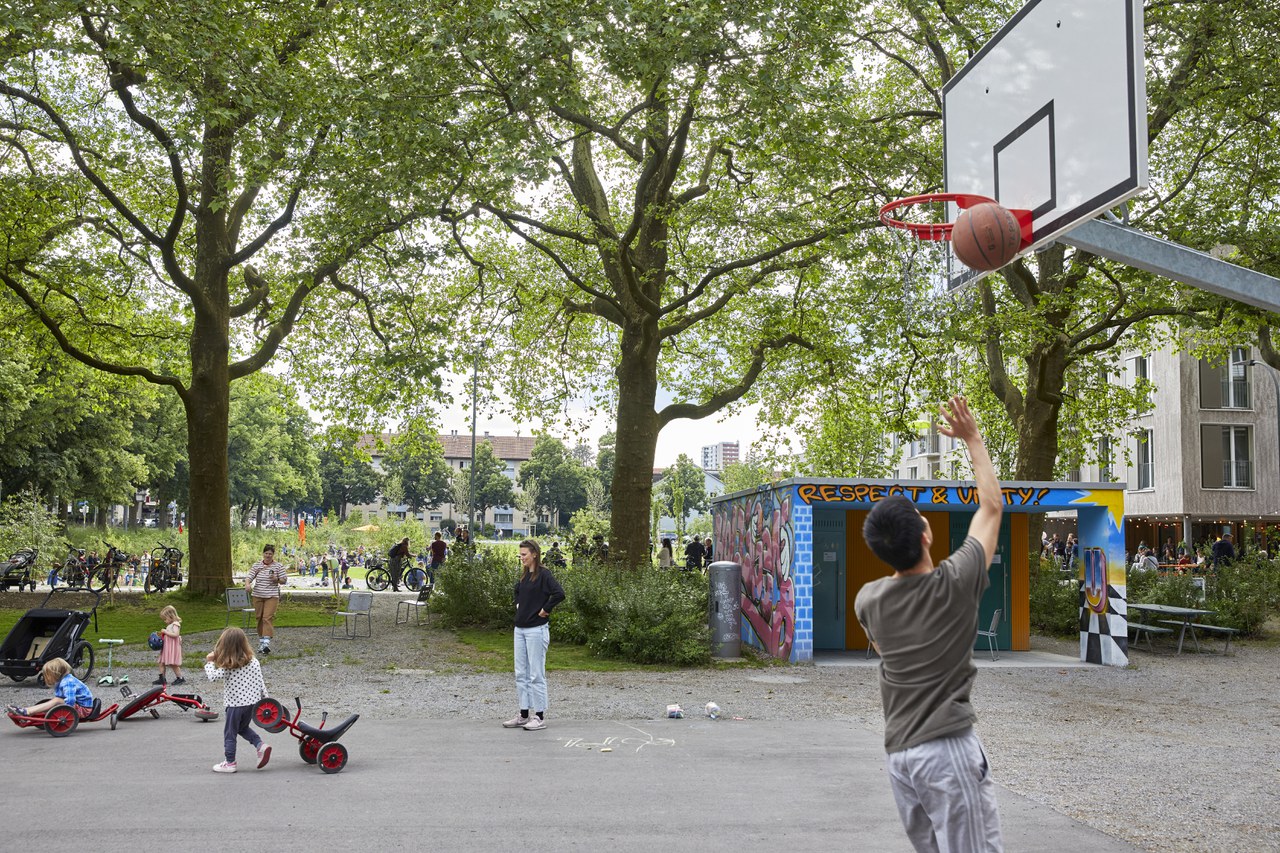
column 803, row 558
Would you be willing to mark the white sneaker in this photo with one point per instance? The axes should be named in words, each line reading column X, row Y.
column 515, row 722
column 535, row 724
column 264, row 755
column 225, row 767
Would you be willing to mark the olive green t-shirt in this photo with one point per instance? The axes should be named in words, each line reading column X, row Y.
column 925, row 626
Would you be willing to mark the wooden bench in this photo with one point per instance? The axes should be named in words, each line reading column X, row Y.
column 1140, row 628
column 414, row 606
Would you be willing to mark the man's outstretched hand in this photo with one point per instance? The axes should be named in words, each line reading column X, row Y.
column 961, row 423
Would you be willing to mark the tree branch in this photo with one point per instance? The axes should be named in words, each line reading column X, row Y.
column 55, row 329
column 718, row 401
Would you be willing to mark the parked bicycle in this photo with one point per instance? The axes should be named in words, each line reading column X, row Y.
column 417, row 576
column 106, row 574
column 166, row 569
column 74, row 570
column 376, row 575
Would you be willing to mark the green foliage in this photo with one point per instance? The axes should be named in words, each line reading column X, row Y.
column 26, row 523
column 1243, row 594
column 645, row 616
column 477, row 591
column 347, row 475
column 417, row 473
column 1055, row 600
column 271, row 454
column 747, row 475
column 560, row 475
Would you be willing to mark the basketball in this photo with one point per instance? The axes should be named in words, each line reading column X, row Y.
column 986, row 236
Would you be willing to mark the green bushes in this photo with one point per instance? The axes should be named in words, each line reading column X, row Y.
column 1243, row 594
column 642, row 616
column 1055, row 600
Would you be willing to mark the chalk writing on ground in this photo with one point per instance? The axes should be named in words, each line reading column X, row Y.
column 640, row 740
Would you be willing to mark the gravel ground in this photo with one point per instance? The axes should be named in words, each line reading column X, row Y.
column 1173, row 753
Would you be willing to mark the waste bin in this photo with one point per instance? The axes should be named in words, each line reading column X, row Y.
column 726, row 609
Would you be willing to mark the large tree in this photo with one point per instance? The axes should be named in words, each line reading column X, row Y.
column 686, row 180
column 560, row 476
column 417, row 473
column 347, row 475
column 1037, row 344
column 181, row 180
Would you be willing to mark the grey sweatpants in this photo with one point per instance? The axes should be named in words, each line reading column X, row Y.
column 945, row 795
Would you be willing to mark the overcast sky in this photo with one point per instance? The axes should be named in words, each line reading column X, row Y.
column 681, row 436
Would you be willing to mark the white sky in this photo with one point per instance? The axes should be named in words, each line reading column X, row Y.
column 681, row 436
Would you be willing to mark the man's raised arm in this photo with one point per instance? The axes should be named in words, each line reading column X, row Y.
column 961, row 424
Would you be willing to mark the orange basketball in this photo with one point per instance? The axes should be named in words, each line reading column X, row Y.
column 986, row 236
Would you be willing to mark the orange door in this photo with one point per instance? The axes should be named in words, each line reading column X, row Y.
column 864, row 566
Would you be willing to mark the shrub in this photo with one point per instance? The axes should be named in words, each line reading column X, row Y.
column 642, row 616
column 1055, row 600
column 476, row 591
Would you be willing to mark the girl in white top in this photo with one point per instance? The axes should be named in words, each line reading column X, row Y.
column 232, row 661
column 665, row 560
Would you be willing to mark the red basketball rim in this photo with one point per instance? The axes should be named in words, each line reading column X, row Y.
column 942, row 230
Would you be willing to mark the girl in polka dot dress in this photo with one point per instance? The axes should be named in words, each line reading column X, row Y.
column 232, row 661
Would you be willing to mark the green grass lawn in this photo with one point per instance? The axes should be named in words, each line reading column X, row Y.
column 133, row 618
column 492, row 651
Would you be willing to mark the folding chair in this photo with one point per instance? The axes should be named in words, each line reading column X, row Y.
column 990, row 633
column 414, row 605
column 358, row 604
column 238, row 601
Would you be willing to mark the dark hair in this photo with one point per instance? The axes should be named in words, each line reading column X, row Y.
column 892, row 531
column 537, row 553
column 266, row 548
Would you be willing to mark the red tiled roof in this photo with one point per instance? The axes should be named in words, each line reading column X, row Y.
column 515, row 448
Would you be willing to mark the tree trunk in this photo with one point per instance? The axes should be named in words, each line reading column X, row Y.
column 637, row 444
column 208, row 407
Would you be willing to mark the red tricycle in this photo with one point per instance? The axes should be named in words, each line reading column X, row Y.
column 157, row 695
column 316, row 744
column 62, row 720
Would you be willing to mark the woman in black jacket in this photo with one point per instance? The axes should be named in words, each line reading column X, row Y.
column 536, row 593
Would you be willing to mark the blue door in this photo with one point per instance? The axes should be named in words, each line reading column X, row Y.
column 829, row 608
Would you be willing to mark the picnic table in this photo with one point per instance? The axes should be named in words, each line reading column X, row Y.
column 1182, row 617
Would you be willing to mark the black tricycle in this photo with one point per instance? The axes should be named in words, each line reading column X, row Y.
column 17, row 570
column 45, row 633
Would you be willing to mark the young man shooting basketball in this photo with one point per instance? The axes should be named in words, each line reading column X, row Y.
column 922, row 620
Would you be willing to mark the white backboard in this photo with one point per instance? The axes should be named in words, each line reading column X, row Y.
column 1051, row 116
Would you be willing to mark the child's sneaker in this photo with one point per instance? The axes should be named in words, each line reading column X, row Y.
column 14, row 709
column 160, row 681
column 515, row 722
column 225, row 767
column 264, row 755
column 178, row 681
column 535, row 724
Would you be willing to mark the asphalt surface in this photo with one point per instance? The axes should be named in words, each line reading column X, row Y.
column 690, row 784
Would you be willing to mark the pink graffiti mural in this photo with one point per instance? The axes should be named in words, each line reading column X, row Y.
column 756, row 533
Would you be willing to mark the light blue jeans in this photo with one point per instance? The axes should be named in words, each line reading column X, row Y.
column 531, row 667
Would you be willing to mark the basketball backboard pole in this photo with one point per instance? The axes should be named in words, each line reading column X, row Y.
column 1171, row 260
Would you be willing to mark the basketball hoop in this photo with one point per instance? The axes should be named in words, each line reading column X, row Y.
column 942, row 230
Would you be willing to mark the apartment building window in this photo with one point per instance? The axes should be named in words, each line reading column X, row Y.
column 502, row 518
column 1225, row 457
column 1140, row 368
column 1105, row 472
column 912, row 473
column 1146, row 472
column 1226, row 386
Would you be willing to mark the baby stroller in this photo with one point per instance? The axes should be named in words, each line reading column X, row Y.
column 17, row 571
column 46, row 633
